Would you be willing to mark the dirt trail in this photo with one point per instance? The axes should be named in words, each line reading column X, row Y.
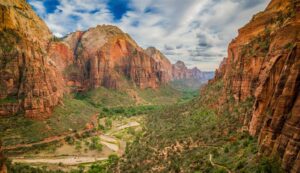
column 116, row 145
column 130, row 124
column 72, row 160
column 45, row 141
column 217, row 165
column 108, row 139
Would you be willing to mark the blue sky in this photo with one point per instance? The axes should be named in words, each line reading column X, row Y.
column 195, row 31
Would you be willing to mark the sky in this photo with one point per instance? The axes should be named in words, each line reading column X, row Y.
column 195, row 31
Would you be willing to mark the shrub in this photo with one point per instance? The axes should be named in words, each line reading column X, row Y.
column 95, row 145
column 70, row 140
column 267, row 165
column 78, row 145
column 108, row 123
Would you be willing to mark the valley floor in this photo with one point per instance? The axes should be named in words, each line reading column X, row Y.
column 190, row 136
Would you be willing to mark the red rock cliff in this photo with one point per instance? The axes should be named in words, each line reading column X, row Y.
column 264, row 63
column 28, row 80
column 162, row 65
column 105, row 56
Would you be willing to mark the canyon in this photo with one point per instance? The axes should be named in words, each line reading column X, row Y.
column 38, row 69
column 262, row 69
column 263, row 64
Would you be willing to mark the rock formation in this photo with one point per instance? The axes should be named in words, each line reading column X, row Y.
column 181, row 72
column 264, row 63
column 28, row 80
column 162, row 65
column 105, row 56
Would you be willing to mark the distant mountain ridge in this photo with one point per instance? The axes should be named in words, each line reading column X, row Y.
column 181, row 72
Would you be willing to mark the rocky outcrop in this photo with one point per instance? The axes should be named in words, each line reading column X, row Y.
column 181, row 72
column 264, row 63
column 28, row 80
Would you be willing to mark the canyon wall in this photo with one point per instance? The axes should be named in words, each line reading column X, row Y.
column 29, row 82
column 106, row 56
column 263, row 63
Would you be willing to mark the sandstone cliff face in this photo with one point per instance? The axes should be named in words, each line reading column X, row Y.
column 27, row 79
column 264, row 63
column 162, row 65
column 181, row 72
column 106, row 56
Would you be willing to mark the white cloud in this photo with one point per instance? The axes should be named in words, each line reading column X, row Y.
column 198, row 31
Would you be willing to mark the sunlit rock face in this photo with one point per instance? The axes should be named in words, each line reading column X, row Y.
column 264, row 63
column 105, row 56
column 29, row 82
column 162, row 65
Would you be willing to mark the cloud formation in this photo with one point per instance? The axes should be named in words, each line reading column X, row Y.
column 195, row 31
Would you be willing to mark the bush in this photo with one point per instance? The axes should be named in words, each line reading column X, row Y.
column 95, row 145
column 78, row 145
column 70, row 140
column 267, row 165
column 108, row 123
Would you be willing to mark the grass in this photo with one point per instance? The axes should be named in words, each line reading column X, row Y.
column 103, row 97
column 128, row 111
column 74, row 114
column 164, row 95
column 187, row 84
column 110, row 98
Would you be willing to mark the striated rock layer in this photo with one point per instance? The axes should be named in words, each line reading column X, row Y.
column 162, row 65
column 264, row 63
column 105, row 56
column 29, row 82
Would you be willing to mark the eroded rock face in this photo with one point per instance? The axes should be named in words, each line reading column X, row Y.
column 162, row 65
column 27, row 78
column 181, row 72
column 264, row 63
column 106, row 56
